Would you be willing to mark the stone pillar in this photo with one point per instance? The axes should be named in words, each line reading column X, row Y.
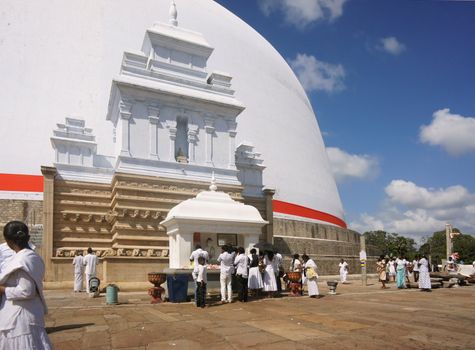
column 209, row 140
column 48, row 221
column 153, row 116
column 125, row 112
column 232, row 144
column 192, row 138
column 171, row 125
column 448, row 240
column 269, row 234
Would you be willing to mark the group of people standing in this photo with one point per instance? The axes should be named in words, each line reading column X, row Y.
column 252, row 274
column 84, row 265
column 399, row 270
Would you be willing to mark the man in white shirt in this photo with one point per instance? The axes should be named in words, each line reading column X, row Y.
column 415, row 268
column 226, row 259
column 242, row 263
column 197, row 253
column 78, row 263
column 90, row 262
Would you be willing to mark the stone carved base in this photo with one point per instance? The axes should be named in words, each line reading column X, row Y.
column 156, row 294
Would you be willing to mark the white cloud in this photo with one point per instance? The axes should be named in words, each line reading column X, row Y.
column 317, row 75
column 418, row 211
column 301, row 13
column 345, row 166
column 367, row 223
column 453, row 132
column 413, row 196
column 392, row 46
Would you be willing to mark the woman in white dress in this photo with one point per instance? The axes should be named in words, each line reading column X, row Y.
column 254, row 281
column 311, row 276
column 22, row 306
column 270, row 283
column 424, row 275
column 343, row 265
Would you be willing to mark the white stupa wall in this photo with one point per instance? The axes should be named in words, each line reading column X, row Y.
column 54, row 65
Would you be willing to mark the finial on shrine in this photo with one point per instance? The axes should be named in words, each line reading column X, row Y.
column 173, row 14
column 213, row 186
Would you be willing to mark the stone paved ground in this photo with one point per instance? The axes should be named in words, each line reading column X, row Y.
column 357, row 318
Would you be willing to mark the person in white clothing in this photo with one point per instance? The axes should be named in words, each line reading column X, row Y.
column 90, row 261
column 415, row 268
column 424, row 276
column 195, row 255
column 310, row 271
column 270, row 283
column 254, row 280
column 227, row 269
column 22, row 305
column 78, row 263
column 343, row 265
column 201, row 281
column 242, row 264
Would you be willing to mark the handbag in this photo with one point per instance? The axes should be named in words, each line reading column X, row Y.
column 310, row 273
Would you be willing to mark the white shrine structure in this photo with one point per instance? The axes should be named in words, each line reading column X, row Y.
column 214, row 215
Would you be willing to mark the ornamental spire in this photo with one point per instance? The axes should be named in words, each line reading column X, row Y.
column 173, row 14
column 213, row 186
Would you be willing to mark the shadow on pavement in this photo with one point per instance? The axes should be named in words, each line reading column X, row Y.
column 66, row 327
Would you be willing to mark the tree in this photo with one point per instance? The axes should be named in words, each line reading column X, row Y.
column 436, row 246
column 391, row 244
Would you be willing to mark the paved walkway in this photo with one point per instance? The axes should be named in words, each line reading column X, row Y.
column 356, row 318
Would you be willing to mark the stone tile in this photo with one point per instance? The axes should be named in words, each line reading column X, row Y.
column 95, row 340
column 289, row 330
column 252, row 339
column 176, row 344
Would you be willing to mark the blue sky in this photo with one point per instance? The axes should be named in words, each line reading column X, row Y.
column 393, row 86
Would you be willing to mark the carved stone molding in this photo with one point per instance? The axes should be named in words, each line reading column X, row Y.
column 137, row 213
column 122, row 252
column 84, row 217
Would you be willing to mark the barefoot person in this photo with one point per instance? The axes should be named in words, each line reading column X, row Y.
column 311, row 276
column 424, row 275
column 22, row 306
column 78, row 263
column 90, row 262
column 343, row 266
column 381, row 269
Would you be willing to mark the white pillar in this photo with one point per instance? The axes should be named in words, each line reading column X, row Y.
column 192, row 133
column 209, row 127
column 125, row 112
column 171, row 125
column 232, row 144
column 154, row 119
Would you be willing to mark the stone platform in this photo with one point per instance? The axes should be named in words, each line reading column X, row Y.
column 357, row 317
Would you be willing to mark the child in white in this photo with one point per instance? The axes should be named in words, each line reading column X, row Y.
column 201, row 280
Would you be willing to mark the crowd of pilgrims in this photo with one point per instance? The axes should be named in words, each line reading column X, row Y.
column 255, row 274
column 399, row 270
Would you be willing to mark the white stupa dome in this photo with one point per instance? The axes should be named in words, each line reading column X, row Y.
column 58, row 60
